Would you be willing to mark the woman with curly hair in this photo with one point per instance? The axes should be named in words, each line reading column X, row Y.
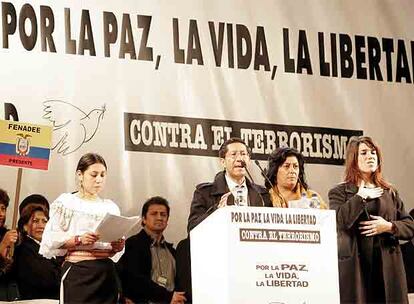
column 286, row 171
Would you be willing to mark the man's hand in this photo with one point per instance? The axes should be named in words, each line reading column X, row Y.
column 223, row 200
column 128, row 301
column 178, row 297
column 376, row 226
column 9, row 239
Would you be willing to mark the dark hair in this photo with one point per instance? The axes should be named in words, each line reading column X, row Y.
column 35, row 199
column 223, row 149
column 277, row 158
column 352, row 172
column 4, row 198
column 89, row 159
column 27, row 215
column 155, row 200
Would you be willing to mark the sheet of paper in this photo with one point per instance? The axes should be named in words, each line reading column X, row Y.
column 113, row 227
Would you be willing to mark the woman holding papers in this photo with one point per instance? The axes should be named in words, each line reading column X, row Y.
column 370, row 220
column 286, row 172
column 88, row 273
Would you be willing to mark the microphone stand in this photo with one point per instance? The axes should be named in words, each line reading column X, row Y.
column 263, row 172
column 243, row 163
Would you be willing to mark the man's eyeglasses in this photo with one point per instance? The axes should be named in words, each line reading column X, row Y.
column 234, row 154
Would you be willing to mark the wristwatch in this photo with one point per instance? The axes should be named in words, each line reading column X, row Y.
column 78, row 240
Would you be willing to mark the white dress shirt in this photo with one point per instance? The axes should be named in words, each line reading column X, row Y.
column 240, row 192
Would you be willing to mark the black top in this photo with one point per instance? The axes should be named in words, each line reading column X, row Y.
column 134, row 269
column 207, row 196
column 183, row 264
column 36, row 276
column 407, row 251
column 3, row 231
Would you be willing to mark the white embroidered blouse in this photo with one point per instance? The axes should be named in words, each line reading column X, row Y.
column 71, row 215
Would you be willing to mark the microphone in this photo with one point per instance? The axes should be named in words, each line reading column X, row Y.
column 263, row 172
column 243, row 163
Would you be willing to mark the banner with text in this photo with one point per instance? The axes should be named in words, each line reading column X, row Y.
column 155, row 87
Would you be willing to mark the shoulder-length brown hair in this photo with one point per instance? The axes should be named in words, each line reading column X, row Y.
column 352, row 173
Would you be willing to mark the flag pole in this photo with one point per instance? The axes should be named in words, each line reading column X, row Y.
column 16, row 208
column 17, row 197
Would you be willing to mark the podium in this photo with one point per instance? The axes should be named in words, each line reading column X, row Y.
column 256, row 255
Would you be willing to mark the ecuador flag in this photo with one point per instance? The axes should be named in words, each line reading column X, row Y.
column 25, row 145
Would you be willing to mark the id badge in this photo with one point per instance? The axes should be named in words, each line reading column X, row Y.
column 162, row 281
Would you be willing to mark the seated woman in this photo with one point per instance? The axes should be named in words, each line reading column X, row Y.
column 34, row 199
column 286, row 171
column 36, row 276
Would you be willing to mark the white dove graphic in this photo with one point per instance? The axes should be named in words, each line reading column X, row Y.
column 72, row 127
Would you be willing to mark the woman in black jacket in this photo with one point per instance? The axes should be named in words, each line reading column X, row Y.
column 36, row 276
column 370, row 220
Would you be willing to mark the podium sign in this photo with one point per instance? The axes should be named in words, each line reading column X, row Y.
column 265, row 255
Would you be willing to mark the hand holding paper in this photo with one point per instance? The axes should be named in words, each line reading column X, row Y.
column 118, row 245
column 112, row 228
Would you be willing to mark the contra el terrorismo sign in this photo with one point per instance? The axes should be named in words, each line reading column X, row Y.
column 203, row 137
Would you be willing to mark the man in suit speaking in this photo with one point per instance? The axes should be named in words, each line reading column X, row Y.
column 230, row 186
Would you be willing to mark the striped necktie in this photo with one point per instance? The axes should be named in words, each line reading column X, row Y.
column 240, row 199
